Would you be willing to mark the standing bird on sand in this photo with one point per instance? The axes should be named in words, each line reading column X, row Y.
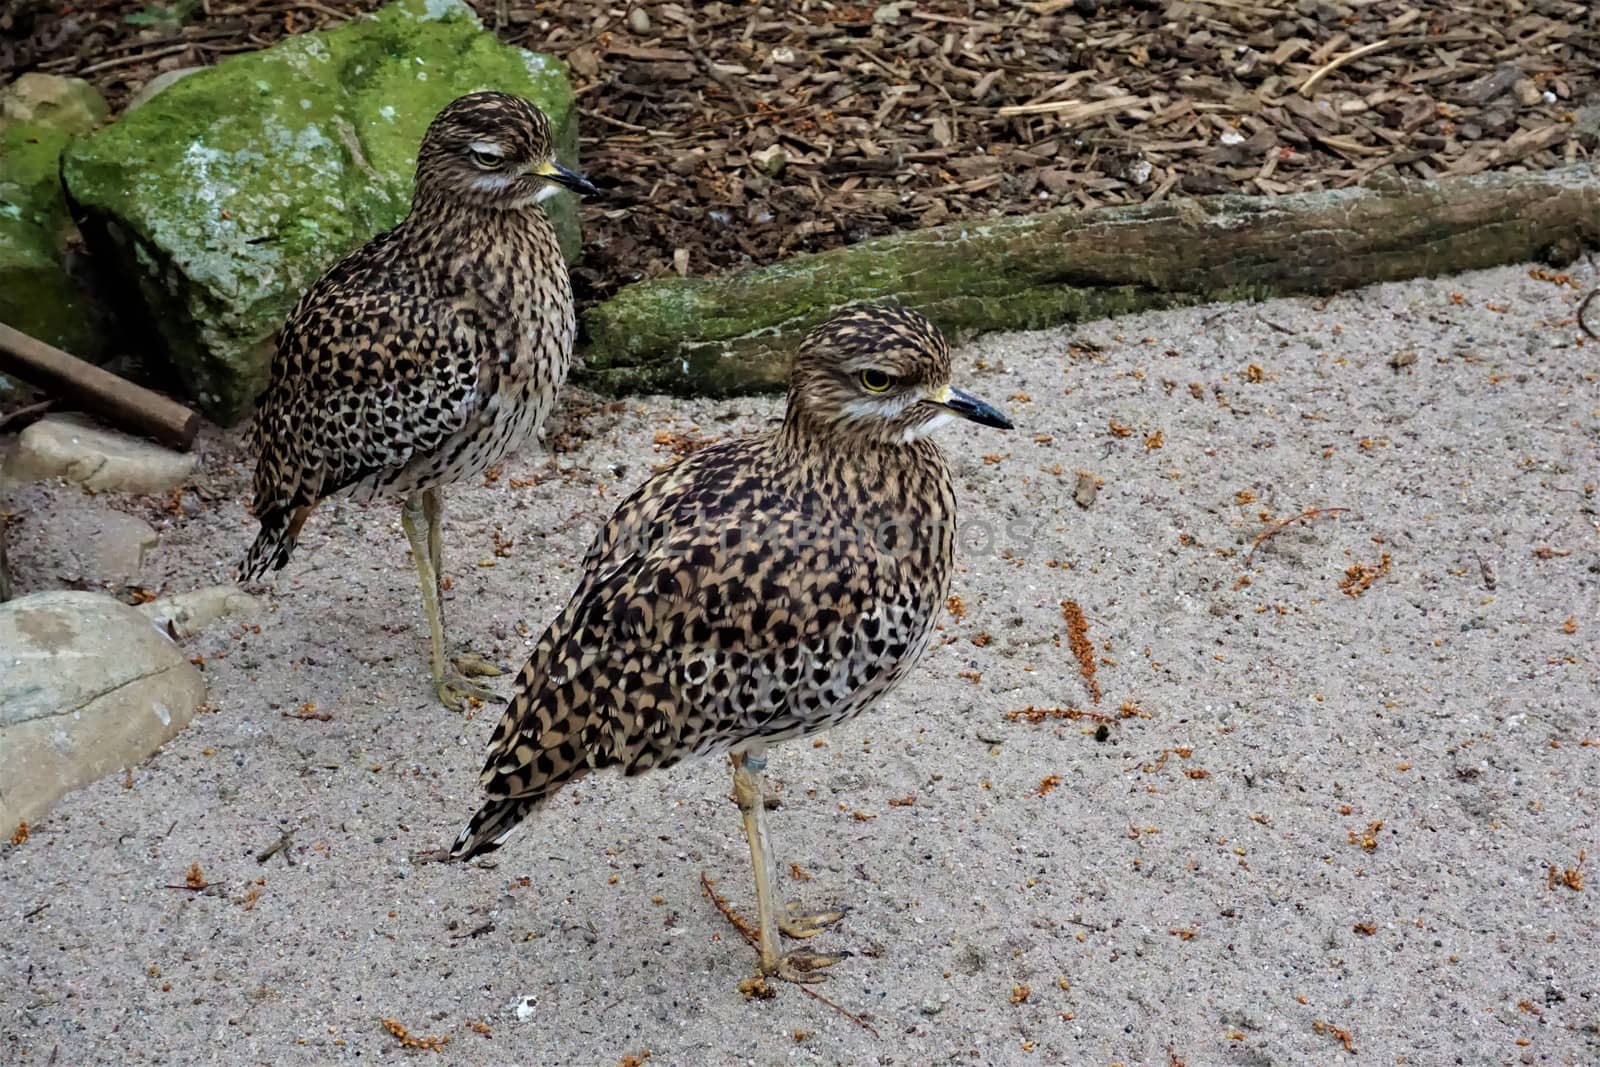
column 428, row 354
column 764, row 588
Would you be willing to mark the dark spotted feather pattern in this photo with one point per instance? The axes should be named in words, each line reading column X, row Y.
column 429, row 353
column 763, row 588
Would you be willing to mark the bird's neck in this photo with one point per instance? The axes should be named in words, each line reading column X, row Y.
column 864, row 453
column 883, row 489
column 505, row 249
column 473, row 225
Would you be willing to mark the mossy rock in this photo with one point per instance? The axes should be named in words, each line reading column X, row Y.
column 39, row 295
column 228, row 194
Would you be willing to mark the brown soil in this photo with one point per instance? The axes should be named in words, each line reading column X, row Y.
column 729, row 134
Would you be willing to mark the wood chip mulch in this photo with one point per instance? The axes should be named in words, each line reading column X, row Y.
column 730, row 134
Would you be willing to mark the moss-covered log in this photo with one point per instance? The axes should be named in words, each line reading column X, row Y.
column 735, row 332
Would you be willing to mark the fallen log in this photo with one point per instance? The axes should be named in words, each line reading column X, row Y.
column 119, row 401
column 735, row 332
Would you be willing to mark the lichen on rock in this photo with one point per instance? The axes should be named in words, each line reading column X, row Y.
column 227, row 194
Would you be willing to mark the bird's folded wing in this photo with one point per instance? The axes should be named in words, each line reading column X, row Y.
column 365, row 381
column 688, row 636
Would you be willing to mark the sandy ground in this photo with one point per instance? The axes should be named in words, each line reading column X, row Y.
column 1318, row 828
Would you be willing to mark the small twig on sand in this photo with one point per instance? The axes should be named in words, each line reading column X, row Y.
column 733, row 917
column 858, row 1020
column 738, row 923
column 306, row 711
column 1308, row 515
column 440, row 855
column 280, row 845
column 1582, row 325
column 475, row 932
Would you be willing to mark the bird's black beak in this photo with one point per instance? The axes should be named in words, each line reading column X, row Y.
column 971, row 408
column 567, row 179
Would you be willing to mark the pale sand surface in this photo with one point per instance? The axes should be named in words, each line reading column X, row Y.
column 1196, row 889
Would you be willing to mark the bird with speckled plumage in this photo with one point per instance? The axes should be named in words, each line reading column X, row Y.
column 763, row 588
column 428, row 354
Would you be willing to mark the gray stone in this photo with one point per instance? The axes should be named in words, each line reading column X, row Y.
column 87, row 686
column 1493, row 84
column 63, row 103
column 78, row 537
column 119, row 546
column 70, row 447
column 186, row 614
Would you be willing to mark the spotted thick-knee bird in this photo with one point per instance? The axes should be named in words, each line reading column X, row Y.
column 428, row 354
column 763, row 588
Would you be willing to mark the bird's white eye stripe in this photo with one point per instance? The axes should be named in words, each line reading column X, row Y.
column 487, row 148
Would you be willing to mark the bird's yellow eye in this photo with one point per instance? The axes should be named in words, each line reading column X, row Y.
column 875, row 381
column 488, row 160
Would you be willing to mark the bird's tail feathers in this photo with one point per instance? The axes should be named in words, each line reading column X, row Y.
column 280, row 529
column 493, row 823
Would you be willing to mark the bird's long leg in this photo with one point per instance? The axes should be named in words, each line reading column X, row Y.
column 468, row 664
column 797, row 965
column 452, row 688
column 747, row 785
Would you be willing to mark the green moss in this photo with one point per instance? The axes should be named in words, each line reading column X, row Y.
column 709, row 360
column 30, row 191
column 228, row 194
column 37, row 294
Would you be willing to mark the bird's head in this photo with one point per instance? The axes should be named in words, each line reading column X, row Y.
column 492, row 150
column 880, row 375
